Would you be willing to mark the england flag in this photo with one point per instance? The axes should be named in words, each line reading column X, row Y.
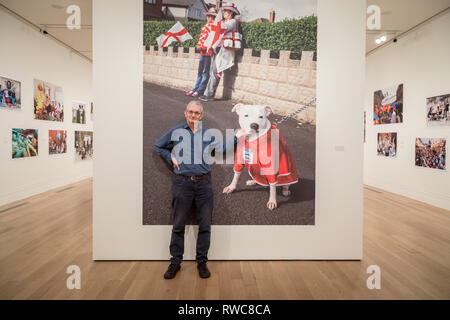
column 176, row 33
column 216, row 33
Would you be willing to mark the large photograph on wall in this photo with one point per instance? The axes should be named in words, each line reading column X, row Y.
column 10, row 93
column 84, row 145
column 438, row 113
column 231, row 100
column 48, row 101
column 387, row 144
column 388, row 105
column 431, row 153
column 57, row 141
column 24, row 143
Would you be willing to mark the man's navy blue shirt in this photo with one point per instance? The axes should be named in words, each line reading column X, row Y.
column 195, row 164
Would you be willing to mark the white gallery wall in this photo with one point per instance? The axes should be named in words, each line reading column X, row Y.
column 117, row 221
column 420, row 60
column 25, row 55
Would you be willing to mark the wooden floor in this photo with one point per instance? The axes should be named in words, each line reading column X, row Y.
column 407, row 239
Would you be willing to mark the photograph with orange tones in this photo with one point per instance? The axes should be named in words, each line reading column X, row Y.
column 388, row 105
column 48, row 101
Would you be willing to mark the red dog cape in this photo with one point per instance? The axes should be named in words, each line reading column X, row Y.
column 265, row 165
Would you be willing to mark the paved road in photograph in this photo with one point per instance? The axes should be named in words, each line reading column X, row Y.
column 163, row 108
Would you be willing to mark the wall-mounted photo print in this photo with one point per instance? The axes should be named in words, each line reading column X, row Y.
column 79, row 112
column 24, row 143
column 57, row 141
column 10, row 93
column 387, row 144
column 438, row 113
column 430, row 153
column 388, row 105
column 48, row 101
column 249, row 89
column 84, row 145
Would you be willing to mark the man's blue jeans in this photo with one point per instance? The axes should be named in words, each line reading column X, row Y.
column 185, row 193
column 202, row 74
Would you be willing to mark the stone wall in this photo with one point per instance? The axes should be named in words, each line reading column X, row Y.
column 284, row 84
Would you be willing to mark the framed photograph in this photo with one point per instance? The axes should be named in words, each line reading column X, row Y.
column 48, row 101
column 57, row 141
column 364, row 127
column 388, row 105
column 24, row 143
column 79, row 112
column 10, row 94
column 387, row 144
column 430, row 153
column 272, row 190
column 438, row 113
column 84, row 145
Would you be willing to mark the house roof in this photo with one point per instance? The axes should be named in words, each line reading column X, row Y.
column 180, row 3
column 260, row 20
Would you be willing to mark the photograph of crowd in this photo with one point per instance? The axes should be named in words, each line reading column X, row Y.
column 57, row 141
column 79, row 112
column 9, row 93
column 24, row 143
column 388, row 105
column 387, row 144
column 48, row 101
column 83, row 145
column 438, row 110
column 430, row 153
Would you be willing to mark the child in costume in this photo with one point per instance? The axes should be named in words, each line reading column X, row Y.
column 224, row 49
column 205, row 56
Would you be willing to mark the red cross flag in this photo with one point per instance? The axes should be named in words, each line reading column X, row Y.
column 176, row 33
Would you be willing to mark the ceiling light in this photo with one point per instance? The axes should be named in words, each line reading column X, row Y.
column 381, row 39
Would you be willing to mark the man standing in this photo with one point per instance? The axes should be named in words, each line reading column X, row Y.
column 192, row 185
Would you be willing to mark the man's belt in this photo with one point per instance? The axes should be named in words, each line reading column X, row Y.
column 196, row 177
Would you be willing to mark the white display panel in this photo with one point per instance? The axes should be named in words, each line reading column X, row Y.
column 118, row 230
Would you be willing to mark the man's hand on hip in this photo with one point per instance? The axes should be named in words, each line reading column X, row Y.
column 175, row 163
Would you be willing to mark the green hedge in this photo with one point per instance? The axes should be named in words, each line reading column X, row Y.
column 296, row 35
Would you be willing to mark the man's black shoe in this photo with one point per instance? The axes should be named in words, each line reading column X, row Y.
column 172, row 271
column 203, row 270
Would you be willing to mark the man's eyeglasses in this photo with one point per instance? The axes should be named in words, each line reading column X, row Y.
column 195, row 113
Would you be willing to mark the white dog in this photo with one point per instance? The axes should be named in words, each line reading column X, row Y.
column 264, row 150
